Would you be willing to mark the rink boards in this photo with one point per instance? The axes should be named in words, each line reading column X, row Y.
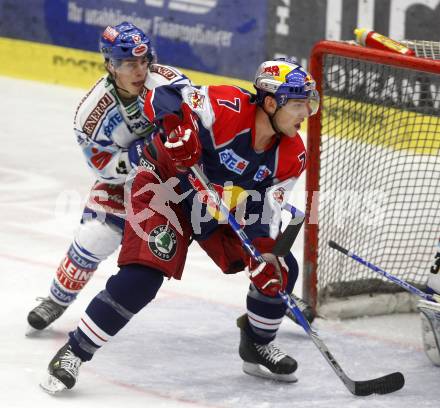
column 73, row 67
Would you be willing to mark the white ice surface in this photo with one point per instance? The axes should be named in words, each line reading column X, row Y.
column 181, row 350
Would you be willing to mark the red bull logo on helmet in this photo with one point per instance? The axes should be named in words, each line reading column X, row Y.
column 273, row 70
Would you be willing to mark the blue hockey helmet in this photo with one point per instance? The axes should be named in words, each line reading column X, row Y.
column 123, row 41
column 285, row 79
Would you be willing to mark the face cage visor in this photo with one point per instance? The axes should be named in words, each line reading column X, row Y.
column 286, row 92
column 129, row 65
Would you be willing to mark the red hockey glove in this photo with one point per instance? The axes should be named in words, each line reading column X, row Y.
column 268, row 277
column 183, row 144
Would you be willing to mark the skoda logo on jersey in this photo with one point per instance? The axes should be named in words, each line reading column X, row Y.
column 140, row 50
column 233, row 161
column 162, row 242
column 262, row 172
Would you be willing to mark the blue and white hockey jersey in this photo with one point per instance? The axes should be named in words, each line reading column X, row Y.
column 105, row 128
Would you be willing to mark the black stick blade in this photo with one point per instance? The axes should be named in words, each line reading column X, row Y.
column 288, row 237
column 383, row 385
column 334, row 245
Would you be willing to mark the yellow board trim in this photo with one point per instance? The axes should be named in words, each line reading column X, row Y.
column 72, row 67
column 391, row 128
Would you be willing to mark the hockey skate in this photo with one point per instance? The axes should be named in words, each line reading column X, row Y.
column 306, row 310
column 63, row 371
column 44, row 314
column 264, row 360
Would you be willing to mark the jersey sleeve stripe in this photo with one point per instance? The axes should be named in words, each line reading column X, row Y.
column 148, row 107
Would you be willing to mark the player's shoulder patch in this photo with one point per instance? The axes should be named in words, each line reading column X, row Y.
column 162, row 75
column 198, row 100
column 194, row 97
column 165, row 71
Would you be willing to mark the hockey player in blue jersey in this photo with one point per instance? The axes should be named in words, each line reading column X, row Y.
column 111, row 130
column 245, row 143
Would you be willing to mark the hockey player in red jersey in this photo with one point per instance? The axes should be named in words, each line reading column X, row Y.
column 248, row 144
column 111, row 130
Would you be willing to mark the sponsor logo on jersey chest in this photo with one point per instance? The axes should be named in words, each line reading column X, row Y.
column 232, row 161
column 262, row 172
column 96, row 114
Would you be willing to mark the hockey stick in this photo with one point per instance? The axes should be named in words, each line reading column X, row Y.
column 382, row 385
column 403, row 284
column 288, row 237
column 284, row 242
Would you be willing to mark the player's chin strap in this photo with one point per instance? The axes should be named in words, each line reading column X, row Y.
column 271, row 120
column 382, row 385
column 118, row 89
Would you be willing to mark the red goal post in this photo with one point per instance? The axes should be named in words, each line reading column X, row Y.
column 373, row 177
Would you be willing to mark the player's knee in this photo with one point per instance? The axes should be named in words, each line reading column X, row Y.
column 134, row 286
column 98, row 239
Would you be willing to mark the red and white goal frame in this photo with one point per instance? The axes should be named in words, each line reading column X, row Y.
column 373, row 177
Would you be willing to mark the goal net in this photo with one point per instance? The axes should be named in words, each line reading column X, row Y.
column 373, row 181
